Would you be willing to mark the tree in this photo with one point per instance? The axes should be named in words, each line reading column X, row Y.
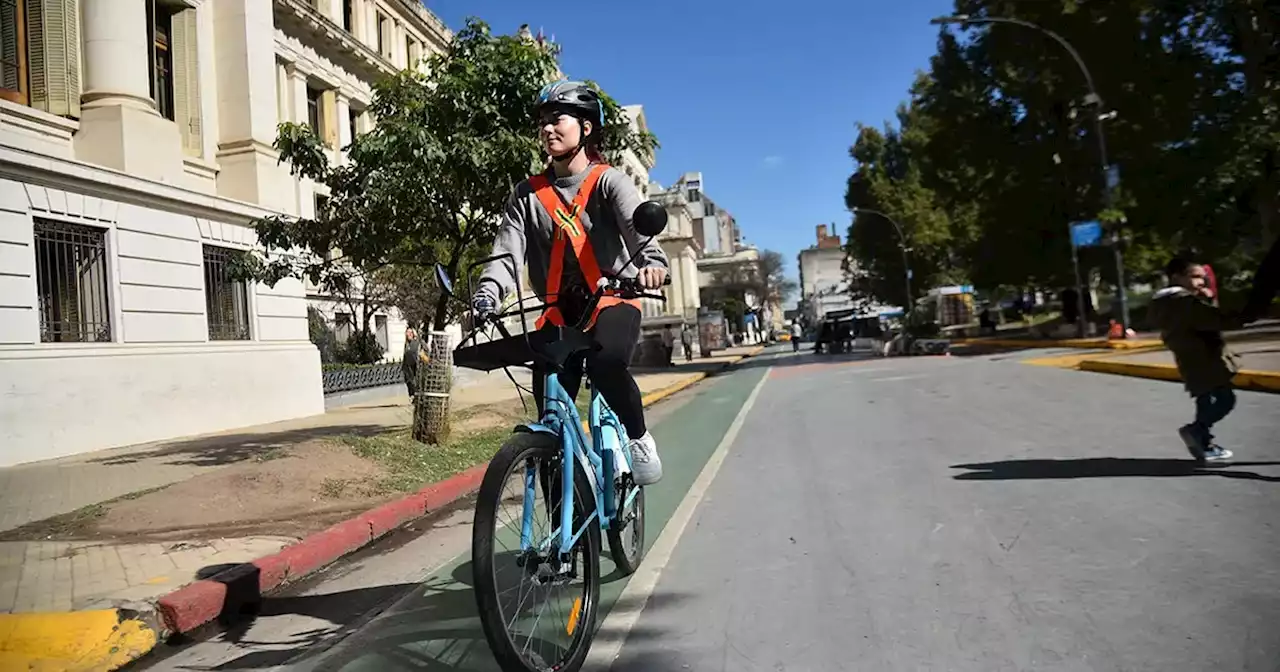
column 429, row 183
column 774, row 285
column 999, row 138
column 893, row 179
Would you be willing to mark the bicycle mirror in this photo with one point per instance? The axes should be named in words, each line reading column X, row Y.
column 442, row 276
column 650, row 219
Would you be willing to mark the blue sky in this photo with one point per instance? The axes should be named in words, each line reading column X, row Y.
column 763, row 103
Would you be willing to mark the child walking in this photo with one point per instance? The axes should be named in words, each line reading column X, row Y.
column 1191, row 327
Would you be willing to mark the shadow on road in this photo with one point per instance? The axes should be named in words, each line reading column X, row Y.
column 1105, row 467
column 429, row 627
column 782, row 356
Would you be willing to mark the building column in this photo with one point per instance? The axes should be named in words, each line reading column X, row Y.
column 345, row 132
column 119, row 126
column 689, row 269
column 247, row 112
column 370, row 24
column 298, row 102
column 116, row 65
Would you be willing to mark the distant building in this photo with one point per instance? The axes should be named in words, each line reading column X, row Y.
column 823, row 285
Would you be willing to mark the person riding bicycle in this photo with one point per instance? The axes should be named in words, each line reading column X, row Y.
column 572, row 226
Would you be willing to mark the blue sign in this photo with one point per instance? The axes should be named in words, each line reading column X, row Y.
column 1085, row 234
column 1113, row 177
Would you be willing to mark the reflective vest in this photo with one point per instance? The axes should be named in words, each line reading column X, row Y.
column 567, row 229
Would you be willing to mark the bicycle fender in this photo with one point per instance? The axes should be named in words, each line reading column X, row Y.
column 536, row 428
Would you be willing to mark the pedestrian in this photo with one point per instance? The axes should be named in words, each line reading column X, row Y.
column 796, row 334
column 669, row 343
column 1191, row 328
column 686, row 340
column 414, row 354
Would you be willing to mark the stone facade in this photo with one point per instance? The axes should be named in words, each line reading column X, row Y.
column 135, row 151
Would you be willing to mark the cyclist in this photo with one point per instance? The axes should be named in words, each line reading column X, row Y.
column 571, row 225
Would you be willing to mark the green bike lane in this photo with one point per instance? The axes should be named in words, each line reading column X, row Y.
column 435, row 627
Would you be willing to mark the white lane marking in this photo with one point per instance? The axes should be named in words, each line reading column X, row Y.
column 883, row 380
column 626, row 611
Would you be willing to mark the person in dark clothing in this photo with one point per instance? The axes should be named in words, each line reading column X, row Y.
column 686, row 340
column 414, row 355
column 1266, row 282
column 1191, row 327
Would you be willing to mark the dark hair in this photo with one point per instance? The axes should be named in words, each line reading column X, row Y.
column 1178, row 266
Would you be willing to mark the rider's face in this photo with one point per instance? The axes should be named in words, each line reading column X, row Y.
column 561, row 133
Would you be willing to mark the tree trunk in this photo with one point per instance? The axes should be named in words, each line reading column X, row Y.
column 431, row 421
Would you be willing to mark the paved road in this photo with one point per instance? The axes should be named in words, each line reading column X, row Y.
column 917, row 514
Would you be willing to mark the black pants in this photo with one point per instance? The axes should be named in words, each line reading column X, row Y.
column 410, row 379
column 616, row 331
column 1211, row 408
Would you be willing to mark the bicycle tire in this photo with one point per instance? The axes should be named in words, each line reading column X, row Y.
column 510, row 457
column 628, row 562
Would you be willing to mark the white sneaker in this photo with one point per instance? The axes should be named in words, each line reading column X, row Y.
column 646, row 466
column 1217, row 454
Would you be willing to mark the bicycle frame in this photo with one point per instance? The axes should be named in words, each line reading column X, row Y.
column 560, row 419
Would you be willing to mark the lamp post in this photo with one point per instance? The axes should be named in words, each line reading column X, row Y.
column 1093, row 99
column 902, row 238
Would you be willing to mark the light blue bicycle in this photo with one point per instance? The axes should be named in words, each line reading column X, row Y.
column 546, row 619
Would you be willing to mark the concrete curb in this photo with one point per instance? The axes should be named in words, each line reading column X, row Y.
column 108, row 639
column 1257, row 381
column 1081, row 343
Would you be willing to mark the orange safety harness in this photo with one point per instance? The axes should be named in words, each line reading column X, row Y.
column 567, row 228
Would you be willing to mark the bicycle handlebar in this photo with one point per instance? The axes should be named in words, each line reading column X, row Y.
column 623, row 288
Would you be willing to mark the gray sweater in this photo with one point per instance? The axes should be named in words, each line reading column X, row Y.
column 526, row 229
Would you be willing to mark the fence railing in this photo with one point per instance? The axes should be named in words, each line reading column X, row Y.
column 361, row 377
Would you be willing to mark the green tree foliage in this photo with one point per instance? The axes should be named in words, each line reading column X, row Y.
column 895, row 179
column 999, row 141
column 429, row 183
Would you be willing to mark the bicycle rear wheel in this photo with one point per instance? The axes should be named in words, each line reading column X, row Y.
column 547, row 618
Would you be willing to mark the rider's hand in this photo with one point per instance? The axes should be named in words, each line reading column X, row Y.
column 652, row 277
column 483, row 306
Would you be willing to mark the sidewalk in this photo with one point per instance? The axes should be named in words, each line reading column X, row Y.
column 53, row 574
column 1259, row 364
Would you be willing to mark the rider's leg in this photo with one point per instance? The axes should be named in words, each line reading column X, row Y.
column 616, row 331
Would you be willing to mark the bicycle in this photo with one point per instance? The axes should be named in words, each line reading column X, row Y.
column 587, row 484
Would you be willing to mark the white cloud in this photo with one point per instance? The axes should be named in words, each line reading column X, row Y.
column 771, row 161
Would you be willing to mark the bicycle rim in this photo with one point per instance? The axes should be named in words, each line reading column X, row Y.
column 538, row 610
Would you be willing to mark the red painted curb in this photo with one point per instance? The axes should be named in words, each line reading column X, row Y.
column 201, row 602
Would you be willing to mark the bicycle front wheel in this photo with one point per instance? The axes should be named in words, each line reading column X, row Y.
column 537, row 605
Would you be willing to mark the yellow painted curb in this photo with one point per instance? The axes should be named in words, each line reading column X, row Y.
column 654, row 397
column 77, row 641
column 1072, row 361
column 1085, row 343
column 1260, row 381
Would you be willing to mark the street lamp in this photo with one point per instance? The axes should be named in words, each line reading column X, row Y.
column 1093, row 99
column 906, row 263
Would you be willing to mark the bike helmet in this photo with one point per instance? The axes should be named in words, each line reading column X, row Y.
column 573, row 98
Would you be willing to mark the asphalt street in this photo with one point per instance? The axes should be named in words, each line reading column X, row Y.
column 957, row 513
